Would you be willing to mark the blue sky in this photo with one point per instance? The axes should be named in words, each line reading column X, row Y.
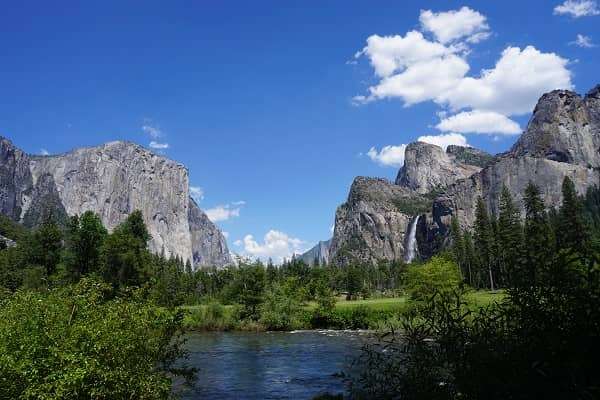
column 276, row 106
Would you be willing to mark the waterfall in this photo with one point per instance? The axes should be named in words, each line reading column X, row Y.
column 411, row 241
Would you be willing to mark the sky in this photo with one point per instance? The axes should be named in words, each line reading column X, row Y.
column 275, row 107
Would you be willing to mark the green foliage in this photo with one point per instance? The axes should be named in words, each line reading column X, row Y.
column 438, row 275
column 79, row 342
column 541, row 341
column 282, row 306
column 84, row 241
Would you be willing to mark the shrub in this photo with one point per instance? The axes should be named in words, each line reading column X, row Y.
column 77, row 342
column 438, row 275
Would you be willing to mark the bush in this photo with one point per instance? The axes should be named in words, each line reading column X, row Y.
column 282, row 306
column 438, row 275
column 78, row 342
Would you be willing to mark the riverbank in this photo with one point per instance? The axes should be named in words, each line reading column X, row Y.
column 371, row 314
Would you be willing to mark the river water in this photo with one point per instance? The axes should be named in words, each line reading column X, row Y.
column 273, row 365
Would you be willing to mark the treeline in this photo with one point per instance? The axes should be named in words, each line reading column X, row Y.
column 541, row 342
column 496, row 253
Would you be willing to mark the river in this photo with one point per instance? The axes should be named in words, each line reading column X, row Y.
column 273, row 365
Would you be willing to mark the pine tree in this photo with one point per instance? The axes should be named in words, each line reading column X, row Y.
column 510, row 235
column 572, row 230
column 458, row 246
column 484, row 243
column 539, row 243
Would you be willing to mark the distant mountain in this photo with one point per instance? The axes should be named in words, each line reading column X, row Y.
column 319, row 253
column 112, row 180
column 562, row 139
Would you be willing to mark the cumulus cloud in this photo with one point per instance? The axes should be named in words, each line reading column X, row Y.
column 577, row 8
column 583, row 41
column 224, row 212
column 416, row 69
column 453, row 25
column 389, row 54
column 514, row 85
column 486, row 122
column 388, row 156
column 44, row 152
column 197, row 193
column 393, row 156
column 276, row 245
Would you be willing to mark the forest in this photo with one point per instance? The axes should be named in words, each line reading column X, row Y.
column 86, row 313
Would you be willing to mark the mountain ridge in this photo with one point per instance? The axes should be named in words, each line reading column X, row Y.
column 112, row 179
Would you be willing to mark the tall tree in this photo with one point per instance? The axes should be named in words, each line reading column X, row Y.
column 484, row 242
column 572, row 230
column 45, row 246
column 539, row 243
column 85, row 238
column 510, row 234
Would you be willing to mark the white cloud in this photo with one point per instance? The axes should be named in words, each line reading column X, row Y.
column 197, row 193
column 583, row 41
column 44, row 152
column 453, row 25
column 514, row 85
column 393, row 156
column 389, row 156
column 389, row 54
column 577, row 8
column 445, row 140
column 486, row 122
column 276, row 245
column 422, row 81
column 158, row 146
column 224, row 212
column 225, row 234
column 415, row 69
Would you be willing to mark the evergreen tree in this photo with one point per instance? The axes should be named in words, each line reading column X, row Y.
column 83, row 250
column 509, row 235
column 572, row 230
column 45, row 246
column 539, row 244
column 125, row 252
column 484, row 243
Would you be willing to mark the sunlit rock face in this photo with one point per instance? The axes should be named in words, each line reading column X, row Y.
column 428, row 167
column 562, row 139
column 112, row 180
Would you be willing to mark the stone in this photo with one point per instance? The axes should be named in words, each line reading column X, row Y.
column 112, row 180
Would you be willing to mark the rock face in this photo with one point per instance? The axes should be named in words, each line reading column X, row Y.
column 562, row 139
column 564, row 127
column 209, row 246
column 112, row 180
column 428, row 167
column 373, row 223
column 319, row 253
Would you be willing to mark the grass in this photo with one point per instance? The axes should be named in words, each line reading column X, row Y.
column 353, row 314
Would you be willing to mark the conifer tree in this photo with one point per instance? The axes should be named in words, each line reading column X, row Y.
column 509, row 234
column 484, row 243
column 572, row 231
column 538, row 239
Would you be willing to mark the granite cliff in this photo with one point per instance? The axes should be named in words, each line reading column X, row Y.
column 112, row 180
column 562, row 139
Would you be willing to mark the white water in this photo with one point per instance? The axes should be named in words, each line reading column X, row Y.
column 411, row 242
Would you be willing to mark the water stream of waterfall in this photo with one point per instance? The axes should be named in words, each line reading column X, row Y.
column 411, row 241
